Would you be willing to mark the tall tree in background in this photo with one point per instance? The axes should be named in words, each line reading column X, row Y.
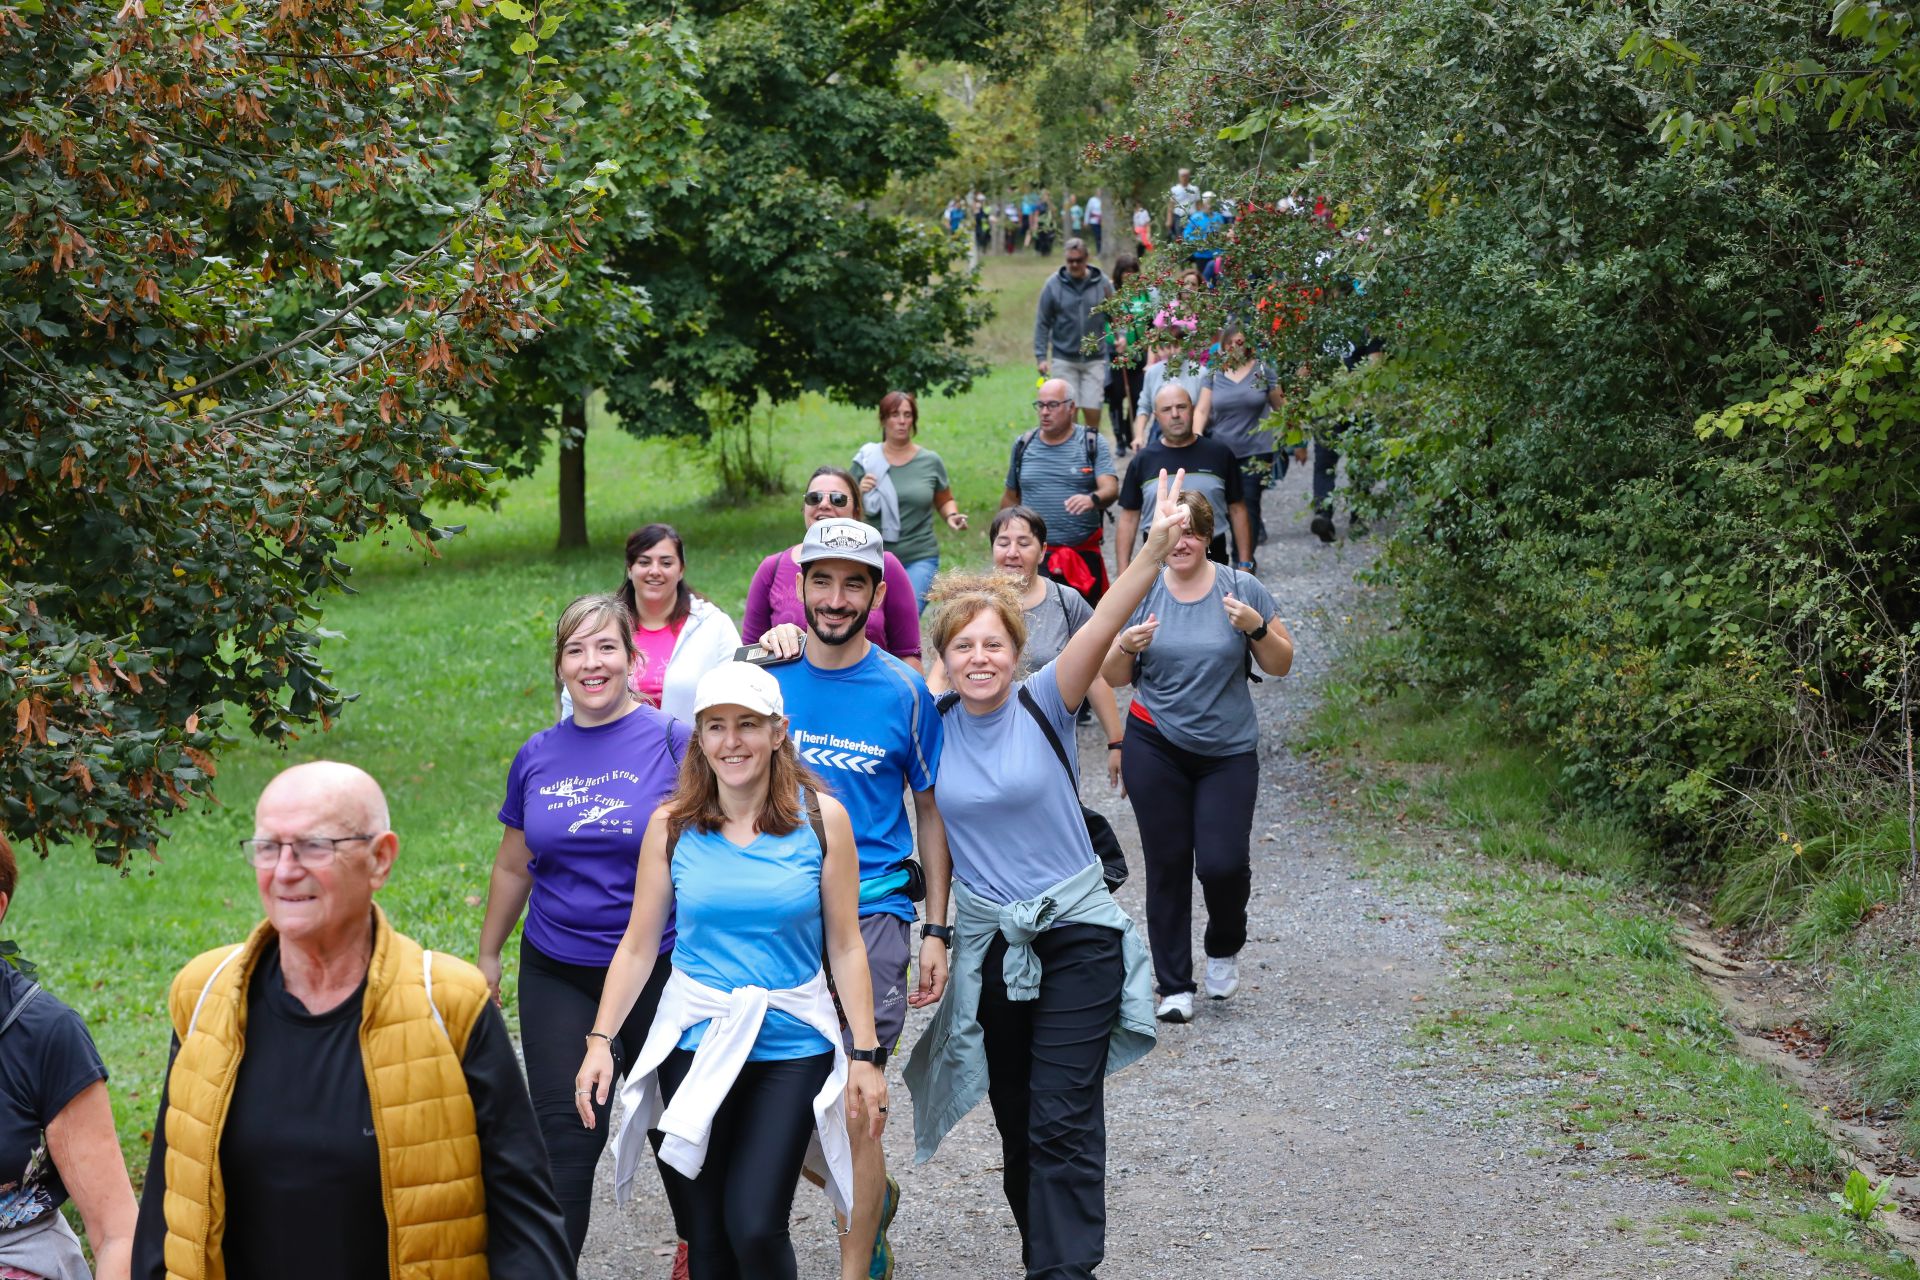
column 774, row 275
column 627, row 79
column 202, row 395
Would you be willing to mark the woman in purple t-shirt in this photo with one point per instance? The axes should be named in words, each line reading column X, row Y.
column 577, row 801
column 774, row 599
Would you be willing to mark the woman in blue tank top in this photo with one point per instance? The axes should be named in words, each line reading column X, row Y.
column 737, row 855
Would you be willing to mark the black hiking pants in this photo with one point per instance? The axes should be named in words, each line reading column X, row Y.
column 1195, row 814
column 1046, row 1080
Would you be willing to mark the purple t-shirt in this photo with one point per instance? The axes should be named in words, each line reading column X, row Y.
column 582, row 796
column 772, row 600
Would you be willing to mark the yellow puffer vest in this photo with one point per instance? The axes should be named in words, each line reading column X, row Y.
column 412, row 1041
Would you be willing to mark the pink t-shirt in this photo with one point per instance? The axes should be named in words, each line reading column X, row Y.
column 656, row 651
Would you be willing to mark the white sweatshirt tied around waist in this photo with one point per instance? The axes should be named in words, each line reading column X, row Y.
column 733, row 1024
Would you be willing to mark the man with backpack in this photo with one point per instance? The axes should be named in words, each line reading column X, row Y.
column 1066, row 473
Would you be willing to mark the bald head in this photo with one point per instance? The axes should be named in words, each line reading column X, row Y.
column 1173, row 411
column 328, row 789
column 335, row 849
column 1056, row 409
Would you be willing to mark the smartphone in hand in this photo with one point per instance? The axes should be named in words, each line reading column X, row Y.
column 760, row 657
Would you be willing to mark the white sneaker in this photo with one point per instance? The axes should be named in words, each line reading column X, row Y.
column 1176, row 1008
column 1223, row 977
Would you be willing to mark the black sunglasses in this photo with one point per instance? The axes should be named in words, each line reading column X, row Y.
column 815, row 497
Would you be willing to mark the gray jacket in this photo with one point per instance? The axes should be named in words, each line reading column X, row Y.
column 1065, row 315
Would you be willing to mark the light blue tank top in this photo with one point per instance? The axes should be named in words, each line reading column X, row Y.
column 751, row 917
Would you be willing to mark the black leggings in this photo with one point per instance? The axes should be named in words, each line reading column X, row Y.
column 735, row 1222
column 557, row 1004
column 1046, row 1079
column 1195, row 813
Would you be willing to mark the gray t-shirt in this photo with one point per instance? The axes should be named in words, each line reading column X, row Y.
column 1238, row 407
column 1012, row 813
column 1052, row 473
column 1192, row 678
column 1050, row 624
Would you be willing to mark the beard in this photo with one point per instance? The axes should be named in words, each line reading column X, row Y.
column 834, row 631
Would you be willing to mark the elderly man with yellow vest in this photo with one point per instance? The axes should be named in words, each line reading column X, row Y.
column 341, row 1102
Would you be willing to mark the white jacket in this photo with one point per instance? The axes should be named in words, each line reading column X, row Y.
column 708, row 639
column 687, row 1124
column 882, row 500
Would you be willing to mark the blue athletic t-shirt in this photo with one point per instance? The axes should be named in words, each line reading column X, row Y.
column 582, row 797
column 750, row 917
column 870, row 731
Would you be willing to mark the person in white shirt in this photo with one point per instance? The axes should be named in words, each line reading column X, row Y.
column 1095, row 215
column 1180, row 201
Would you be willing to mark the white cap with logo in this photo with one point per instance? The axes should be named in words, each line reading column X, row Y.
column 838, row 538
column 739, row 684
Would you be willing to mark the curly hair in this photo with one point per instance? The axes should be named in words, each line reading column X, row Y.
column 958, row 598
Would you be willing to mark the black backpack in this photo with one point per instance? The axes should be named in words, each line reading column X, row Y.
column 1113, row 859
column 1093, row 456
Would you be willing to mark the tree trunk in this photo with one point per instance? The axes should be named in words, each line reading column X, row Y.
column 573, row 475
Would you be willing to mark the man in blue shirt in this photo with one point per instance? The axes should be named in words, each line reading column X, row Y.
column 1202, row 223
column 866, row 723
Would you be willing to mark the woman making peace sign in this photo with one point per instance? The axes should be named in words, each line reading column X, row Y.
column 1049, row 989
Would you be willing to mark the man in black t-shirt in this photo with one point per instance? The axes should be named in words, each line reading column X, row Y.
column 1211, row 469
column 358, row 1098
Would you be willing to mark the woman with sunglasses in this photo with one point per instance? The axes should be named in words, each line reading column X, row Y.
column 774, row 596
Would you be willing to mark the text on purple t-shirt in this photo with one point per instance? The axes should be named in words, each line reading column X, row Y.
column 582, row 797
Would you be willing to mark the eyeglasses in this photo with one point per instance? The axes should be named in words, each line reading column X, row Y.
column 308, row 851
column 815, row 498
column 1045, row 405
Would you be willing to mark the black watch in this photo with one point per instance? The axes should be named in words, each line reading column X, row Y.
column 877, row 1056
column 944, row 932
column 1259, row 634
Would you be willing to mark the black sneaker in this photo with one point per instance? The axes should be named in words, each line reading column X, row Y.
column 1322, row 526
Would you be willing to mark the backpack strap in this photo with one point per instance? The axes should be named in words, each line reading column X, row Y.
column 19, row 1007
column 811, row 800
column 426, row 976
column 1061, row 600
column 947, row 701
column 1020, row 452
column 1053, row 739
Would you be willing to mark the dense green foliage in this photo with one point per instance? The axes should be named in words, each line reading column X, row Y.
column 1649, row 398
column 203, row 394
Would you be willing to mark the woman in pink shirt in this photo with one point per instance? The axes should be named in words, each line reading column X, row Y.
column 774, row 599
column 679, row 635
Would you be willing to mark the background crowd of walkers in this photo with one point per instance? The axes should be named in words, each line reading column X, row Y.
column 716, row 866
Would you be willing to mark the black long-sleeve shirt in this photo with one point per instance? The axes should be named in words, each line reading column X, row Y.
column 301, row 1165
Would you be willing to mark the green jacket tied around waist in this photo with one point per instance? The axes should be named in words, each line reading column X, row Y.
column 947, row 1071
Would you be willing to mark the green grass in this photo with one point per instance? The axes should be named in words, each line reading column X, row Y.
column 1576, row 966
column 451, row 660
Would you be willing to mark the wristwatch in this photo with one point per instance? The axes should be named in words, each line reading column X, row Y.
column 944, row 932
column 877, row 1056
column 1258, row 634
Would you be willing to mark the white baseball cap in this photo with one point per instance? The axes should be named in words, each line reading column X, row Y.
column 739, row 684
column 838, row 538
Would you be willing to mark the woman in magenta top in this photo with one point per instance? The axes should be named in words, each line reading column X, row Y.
column 773, row 598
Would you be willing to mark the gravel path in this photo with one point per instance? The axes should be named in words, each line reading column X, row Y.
column 1298, row 1129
